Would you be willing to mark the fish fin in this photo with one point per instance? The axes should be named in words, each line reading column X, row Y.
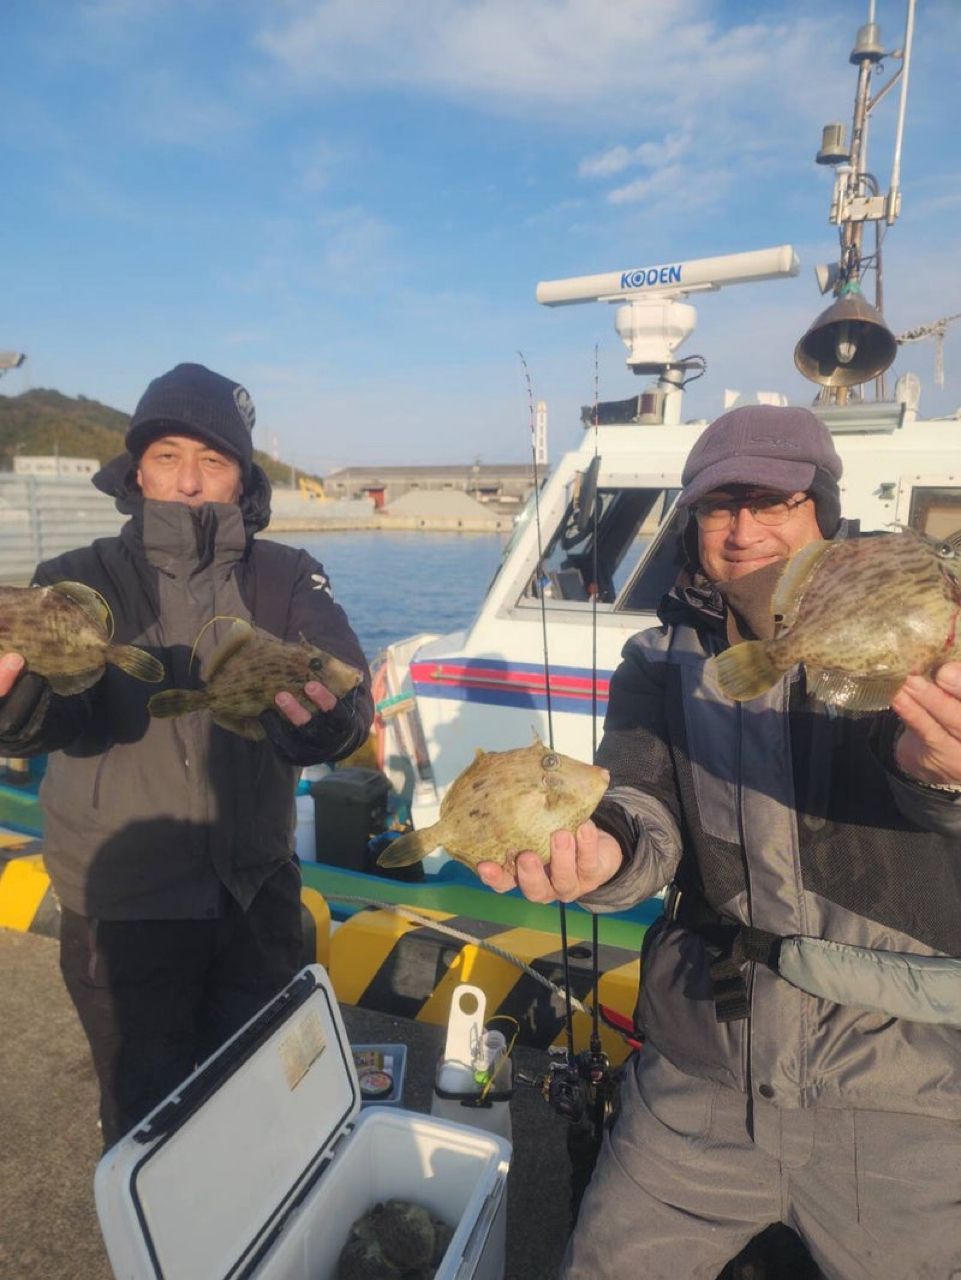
column 791, row 584
column 856, row 693
column 248, row 727
column 239, row 634
column 176, row 702
column 66, row 685
column 745, row 670
column 90, row 601
column 410, row 848
column 136, row 662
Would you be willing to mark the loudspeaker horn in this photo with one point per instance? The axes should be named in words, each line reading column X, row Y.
column 847, row 344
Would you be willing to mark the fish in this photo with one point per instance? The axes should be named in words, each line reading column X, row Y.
column 246, row 672
column 861, row 615
column 504, row 803
column 63, row 632
column 399, row 1240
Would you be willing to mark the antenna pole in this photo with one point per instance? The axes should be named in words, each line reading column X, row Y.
column 894, row 194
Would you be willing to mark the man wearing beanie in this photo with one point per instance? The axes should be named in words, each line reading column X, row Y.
column 780, row 827
column 169, row 842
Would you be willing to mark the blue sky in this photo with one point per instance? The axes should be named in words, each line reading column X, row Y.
column 347, row 204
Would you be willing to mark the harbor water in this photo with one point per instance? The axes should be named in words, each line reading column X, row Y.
column 394, row 585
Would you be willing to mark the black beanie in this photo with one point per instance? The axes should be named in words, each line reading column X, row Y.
column 194, row 400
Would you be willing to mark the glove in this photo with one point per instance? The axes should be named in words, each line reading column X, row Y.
column 23, row 709
column 327, row 735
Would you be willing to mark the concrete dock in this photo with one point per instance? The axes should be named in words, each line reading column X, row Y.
column 50, row 1143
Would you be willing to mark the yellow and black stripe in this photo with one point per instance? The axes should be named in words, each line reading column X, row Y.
column 379, row 960
column 383, row 962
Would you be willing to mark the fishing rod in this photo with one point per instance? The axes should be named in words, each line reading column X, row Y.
column 577, row 1085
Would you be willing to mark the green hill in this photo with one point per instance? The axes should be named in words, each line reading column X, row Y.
column 46, row 422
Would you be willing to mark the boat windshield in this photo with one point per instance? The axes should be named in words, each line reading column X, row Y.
column 521, row 521
column 634, row 553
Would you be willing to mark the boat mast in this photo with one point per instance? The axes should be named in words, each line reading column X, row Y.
column 849, row 344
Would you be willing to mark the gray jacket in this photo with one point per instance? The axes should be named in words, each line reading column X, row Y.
column 153, row 819
column 783, row 815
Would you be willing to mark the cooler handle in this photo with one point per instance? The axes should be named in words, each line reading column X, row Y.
column 480, row 1231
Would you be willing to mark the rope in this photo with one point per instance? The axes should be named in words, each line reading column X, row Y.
column 469, row 938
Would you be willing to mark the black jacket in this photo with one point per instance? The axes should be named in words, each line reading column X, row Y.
column 148, row 818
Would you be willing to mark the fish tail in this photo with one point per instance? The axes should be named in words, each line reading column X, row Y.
column 136, row 662
column 745, row 670
column 176, row 702
column 410, row 848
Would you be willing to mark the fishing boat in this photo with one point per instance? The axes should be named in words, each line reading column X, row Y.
column 585, row 567
column 596, row 548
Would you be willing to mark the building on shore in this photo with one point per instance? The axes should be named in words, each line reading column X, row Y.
column 503, row 488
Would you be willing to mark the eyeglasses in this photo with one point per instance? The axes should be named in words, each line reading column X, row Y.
column 721, row 514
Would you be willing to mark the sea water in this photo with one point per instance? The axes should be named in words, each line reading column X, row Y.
column 397, row 584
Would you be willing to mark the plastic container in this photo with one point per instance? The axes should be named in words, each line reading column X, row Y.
column 350, row 806
column 473, row 1083
column 305, row 832
column 260, row 1162
column 380, row 1072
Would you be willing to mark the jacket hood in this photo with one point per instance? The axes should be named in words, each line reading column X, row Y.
column 118, row 479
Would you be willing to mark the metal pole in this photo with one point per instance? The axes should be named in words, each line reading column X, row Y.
column 894, row 195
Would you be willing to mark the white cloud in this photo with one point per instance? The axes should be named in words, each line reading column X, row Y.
column 560, row 55
column 169, row 111
column 650, row 154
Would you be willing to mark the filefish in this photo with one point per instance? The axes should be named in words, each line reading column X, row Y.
column 63, row 633
column 247, row 670
column 503, row 803
column 398, row 1240
column 861, row 616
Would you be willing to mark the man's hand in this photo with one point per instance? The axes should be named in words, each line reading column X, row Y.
column 929, row 748
column 289, row 707
column 11, row 665
column 577, row 866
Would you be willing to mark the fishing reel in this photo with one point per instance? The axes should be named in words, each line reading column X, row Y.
column 577, row 1087
column 581, row 1088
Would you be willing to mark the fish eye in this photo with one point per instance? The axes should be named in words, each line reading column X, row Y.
column 316, row 664
column 550, row 761
column 945, row 551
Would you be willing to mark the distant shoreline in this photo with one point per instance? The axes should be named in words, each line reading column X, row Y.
column 389, row 524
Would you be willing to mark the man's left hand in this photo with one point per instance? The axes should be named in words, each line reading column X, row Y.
column 298, row 715
column 929, row 748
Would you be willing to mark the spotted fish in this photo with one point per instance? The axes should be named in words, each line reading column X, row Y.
column 63, row 633
column 862, row 615
column 247, row 670
column 503, row 803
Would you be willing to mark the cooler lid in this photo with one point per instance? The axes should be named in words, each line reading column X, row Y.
column 201, row 1187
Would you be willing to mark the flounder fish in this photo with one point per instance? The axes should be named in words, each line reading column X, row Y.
column 503, row 803
column 862, row 616
column 247, row 670
column 63, row 633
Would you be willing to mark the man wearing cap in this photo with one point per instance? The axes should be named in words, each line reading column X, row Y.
column 169, row 841
column 782, row 828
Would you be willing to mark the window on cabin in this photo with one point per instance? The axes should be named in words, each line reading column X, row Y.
column 935, row 511
column 624, row 545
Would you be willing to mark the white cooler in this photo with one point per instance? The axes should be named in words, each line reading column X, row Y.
column 261, row 1161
